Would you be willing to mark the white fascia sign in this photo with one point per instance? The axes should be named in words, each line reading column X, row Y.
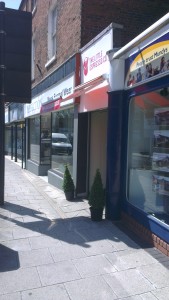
column 33, row 108
column 61, row 90
column 94, row 60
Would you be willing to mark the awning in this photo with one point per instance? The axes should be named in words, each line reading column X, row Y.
column 53, row 105
column 79, row 89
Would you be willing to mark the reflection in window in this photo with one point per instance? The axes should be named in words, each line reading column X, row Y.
column 62, row 139
column 45, row 138
column 19, row 141
column 148, row 154
column 34, row 138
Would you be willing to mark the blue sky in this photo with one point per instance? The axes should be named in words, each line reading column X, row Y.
column 12, row 3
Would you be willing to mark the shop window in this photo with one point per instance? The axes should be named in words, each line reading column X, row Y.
column 19, row 141
column 148, row 154
column 62, row 140
column 7, row 140
column 45, row 140
column 34, row 139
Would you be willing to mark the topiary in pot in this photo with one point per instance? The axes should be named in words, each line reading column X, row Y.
column 97, row 198
column 68, row 184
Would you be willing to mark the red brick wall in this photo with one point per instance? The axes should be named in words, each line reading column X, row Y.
column 68, row 33
column 145, row 234
column 134, row 15
column 81, row 20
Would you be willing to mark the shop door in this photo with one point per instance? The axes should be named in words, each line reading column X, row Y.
column 98, row 145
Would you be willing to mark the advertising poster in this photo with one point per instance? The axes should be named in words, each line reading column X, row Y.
column 148, row 62
column 161, row 116
column 160, row 162
column 161, row 139
column 160, row 184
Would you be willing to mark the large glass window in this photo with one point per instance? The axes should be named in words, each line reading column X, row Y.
column 148, row 154
column 19, row 140
column 7, row 140
column 45, row 138
column 62, row 139
column 34, row 139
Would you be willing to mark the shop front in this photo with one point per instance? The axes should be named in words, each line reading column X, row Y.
column 92, row 112
column 50, row 131
column 15, row 132
column 138, row 187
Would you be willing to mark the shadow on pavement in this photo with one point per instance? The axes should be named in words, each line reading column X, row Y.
column 9, row 259
column 78, row 230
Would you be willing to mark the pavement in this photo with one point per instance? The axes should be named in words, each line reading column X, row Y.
column 51, row 250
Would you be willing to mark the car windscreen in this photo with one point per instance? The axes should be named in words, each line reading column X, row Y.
column 60, row 140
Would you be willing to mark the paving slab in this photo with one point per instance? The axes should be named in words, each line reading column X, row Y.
column 90, row 288
column 13, row 296
column 66, row 252
column 161, row 294
column 19, row 280
column 54, row 292
column 38, row 242
column 128, row 259
column 35, row 258
column 128, row 283
column 50, row 249
column 93, row 265
column 59, row 272
column 157, row 274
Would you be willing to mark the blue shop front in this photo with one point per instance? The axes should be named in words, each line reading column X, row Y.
column 138, row 132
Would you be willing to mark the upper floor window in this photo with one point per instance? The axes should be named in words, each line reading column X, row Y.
column 33, row 4
column 52, row 33
column 33, row 60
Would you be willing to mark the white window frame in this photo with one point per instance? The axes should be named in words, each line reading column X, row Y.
column 33, row 59
column 52, row 21
column 33, row 6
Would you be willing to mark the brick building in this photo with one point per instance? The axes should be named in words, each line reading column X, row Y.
column 60, row 28
column 63, row 31
column 79, row 21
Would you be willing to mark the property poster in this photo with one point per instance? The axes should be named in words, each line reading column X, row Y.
column 148, row 62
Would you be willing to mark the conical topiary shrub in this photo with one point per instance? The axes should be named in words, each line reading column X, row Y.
column 68, row 184
column 97, row 198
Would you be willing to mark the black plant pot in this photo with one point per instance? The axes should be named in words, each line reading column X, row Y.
column 96, row 214
column 69, row 195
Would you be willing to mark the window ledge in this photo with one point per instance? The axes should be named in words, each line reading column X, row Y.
column 49, row 62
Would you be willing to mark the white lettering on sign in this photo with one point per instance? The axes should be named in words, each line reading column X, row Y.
column 65, row 92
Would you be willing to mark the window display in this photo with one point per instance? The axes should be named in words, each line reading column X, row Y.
column 45, row 139
column 34, row 138
column 62, row 139
column 148, row 154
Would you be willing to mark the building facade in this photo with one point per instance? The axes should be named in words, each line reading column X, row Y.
column 138, row 169
column 64, row 121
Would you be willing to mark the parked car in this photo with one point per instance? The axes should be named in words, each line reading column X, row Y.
column 61, row 144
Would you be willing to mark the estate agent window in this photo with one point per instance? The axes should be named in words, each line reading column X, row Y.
column 148, row 153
